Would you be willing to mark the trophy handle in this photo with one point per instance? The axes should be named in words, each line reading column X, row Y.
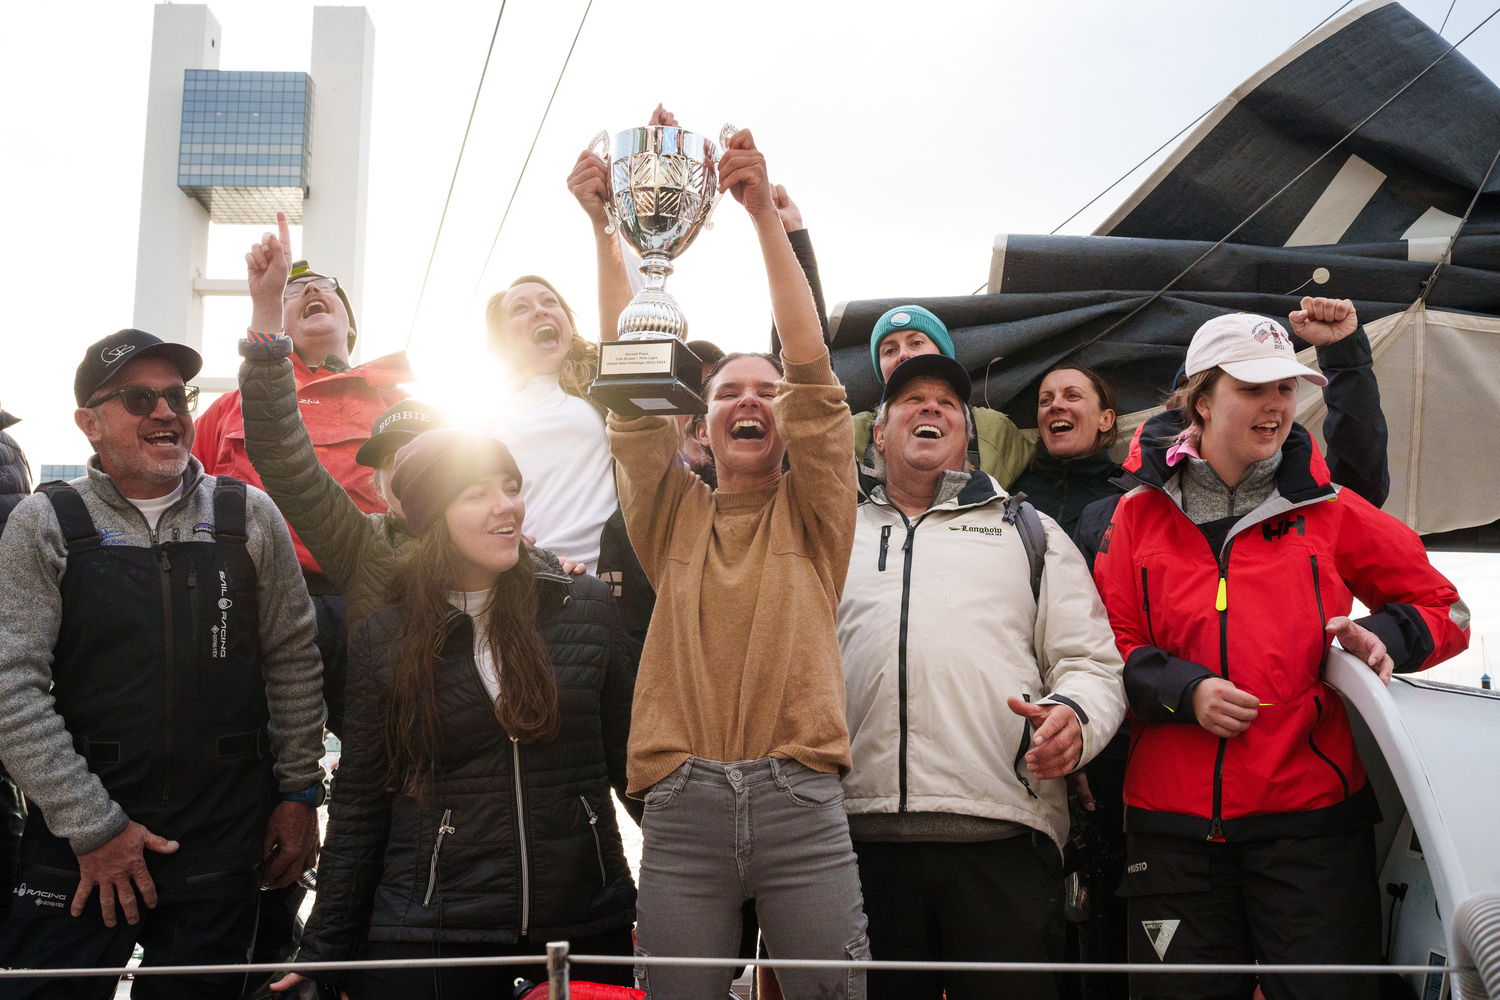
column 724, row 134
column 601, row 140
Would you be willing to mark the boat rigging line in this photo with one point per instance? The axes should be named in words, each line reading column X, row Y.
column 1447, row 256
column 1448, row 15
column 1173, row 139
column 522, row 175
column 461, row 146
column 1283, row 189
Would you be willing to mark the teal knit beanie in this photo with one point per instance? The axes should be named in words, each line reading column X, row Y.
column 908, row 318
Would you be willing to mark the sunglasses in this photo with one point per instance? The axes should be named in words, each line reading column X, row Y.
column 297, row 286
column 140, row 400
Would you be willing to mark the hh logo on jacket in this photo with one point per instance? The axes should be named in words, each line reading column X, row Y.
column 1285, row 526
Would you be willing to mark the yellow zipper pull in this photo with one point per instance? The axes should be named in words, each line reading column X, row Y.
column 1221, row 603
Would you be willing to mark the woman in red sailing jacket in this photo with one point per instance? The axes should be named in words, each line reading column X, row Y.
column 1226, row 574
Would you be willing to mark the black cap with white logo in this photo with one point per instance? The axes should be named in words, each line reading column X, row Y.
column 107, row 357
column 395, row 428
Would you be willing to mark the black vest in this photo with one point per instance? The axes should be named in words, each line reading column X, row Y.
column 156, row 674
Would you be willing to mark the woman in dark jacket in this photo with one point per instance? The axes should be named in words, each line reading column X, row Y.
column 487, row 719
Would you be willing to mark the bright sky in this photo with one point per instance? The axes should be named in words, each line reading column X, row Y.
column 909, row 136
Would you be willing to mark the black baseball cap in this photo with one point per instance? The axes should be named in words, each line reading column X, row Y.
column 395, row 428
column 107, row 357
column 929, row 366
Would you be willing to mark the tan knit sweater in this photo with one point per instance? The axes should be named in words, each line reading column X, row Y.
column 742, row 657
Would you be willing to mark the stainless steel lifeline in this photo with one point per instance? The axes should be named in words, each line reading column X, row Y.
column 558, row 960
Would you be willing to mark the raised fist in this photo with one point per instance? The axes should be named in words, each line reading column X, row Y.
column 742, row 172
column 589, row 183
column 1321, row 322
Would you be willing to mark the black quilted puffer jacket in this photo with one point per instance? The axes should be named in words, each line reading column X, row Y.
column 15, row 475
column 514, row 839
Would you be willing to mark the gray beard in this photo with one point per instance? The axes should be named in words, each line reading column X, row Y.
column 143, row 467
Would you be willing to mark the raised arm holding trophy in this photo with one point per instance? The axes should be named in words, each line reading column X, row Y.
column 663, row 188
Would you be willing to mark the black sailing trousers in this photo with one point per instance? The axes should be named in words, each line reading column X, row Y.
column 1299, row 900
column 41, row 933
column 992, row 901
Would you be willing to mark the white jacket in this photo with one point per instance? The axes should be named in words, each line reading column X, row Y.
column 937, row 627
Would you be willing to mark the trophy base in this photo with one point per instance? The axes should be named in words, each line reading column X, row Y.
column 640, row 378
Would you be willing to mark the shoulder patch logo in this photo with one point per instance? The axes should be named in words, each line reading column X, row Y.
column 1108, row 534
column 1160, row 934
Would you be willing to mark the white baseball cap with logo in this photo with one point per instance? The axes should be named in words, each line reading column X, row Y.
column 1251, row 348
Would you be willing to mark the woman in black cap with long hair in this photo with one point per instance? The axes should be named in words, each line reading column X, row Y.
column 487, row 718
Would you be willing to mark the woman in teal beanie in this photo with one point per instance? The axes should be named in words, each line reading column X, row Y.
column 904, row 332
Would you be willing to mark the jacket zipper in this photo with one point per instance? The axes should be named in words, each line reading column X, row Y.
column 598, row 848
column 1322, row 618
column 911, row 531
column 1221, row 604
column 192, row 583
column 443, row 830
column 171, row 663
column 885, row 544
column 1318, row 704
column 515, row 749
column 1021, row 751
column 1146, row 606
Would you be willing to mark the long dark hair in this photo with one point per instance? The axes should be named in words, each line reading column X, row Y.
column 580, row 364
column 527, row 707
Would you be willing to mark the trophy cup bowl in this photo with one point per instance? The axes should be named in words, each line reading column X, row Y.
column 663, row 191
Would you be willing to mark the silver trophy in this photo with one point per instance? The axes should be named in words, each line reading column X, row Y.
column 664, row 185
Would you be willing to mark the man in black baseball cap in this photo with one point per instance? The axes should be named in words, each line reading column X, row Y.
column 135, row 408
column 158, row 666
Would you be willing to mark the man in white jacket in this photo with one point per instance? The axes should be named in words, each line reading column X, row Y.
column 970, row 696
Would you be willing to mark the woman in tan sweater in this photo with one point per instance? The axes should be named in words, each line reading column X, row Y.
column 738, row 737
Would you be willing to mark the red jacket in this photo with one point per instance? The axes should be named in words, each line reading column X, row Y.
column 1254, row 613
column 338, row 409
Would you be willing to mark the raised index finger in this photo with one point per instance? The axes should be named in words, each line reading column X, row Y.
column 286, row 233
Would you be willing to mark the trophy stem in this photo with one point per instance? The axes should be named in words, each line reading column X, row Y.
column 655, row 268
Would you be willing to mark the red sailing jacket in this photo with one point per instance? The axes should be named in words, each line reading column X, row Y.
column 1254, row 613
column 337, row 409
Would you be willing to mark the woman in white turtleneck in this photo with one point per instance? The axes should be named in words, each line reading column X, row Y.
column 555, row 434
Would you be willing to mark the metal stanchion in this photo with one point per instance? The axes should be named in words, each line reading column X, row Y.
column 557, row 970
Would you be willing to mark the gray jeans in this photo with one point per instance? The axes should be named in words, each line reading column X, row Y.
column 771, row 830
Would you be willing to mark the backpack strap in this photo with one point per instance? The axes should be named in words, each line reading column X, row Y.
column 229, row 511
column 72, row 516
column 1033, row 538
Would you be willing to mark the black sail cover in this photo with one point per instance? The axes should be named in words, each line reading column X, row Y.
column 1368, row 222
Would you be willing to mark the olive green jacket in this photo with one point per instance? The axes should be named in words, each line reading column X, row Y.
column 358, row 552
column 1004, row 452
